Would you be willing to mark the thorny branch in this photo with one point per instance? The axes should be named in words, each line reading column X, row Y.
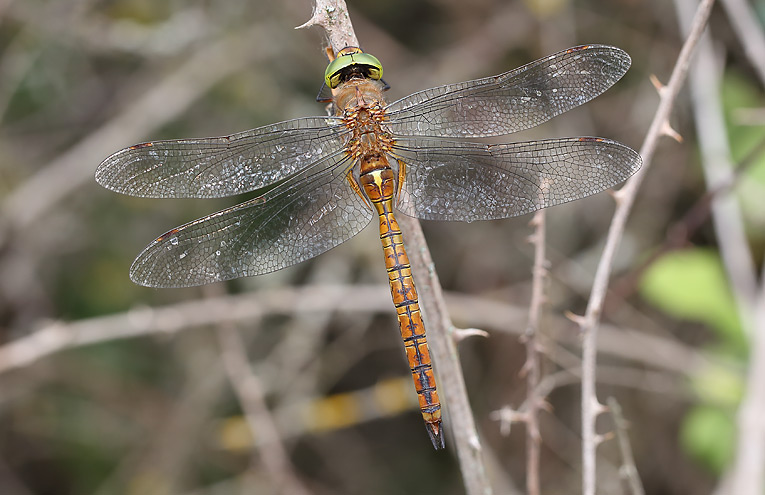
column 533, row 366
column 591, row 408
column 681, row 231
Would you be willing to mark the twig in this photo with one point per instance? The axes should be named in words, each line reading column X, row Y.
column 250, row 394
column 243, row 308
column 591, row 408
column 680, row 232
column 292, row 361
column 747, row 473
column 628, row 469
column 532, row 366
column 332, row 16
column 55, row 337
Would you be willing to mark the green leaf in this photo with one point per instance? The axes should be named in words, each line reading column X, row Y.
column 717, row 384
column 691, row 285
column 707, row 435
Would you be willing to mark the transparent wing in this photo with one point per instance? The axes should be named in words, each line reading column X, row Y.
column 299, row 219
column 447, row 180
column 513, row 101
column 221, row 166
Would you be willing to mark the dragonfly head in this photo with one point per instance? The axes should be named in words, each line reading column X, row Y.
column 352, row 62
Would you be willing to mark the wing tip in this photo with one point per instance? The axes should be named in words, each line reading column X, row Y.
column 108, row 173
column 619, row 57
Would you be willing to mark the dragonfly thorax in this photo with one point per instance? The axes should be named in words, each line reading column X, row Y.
column 357, row 93
column 361, row 106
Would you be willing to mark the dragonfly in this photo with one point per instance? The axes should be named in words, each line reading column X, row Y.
column 318, row 181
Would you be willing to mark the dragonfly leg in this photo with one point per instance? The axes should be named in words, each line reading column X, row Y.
column 401, row 175
column 356, row 188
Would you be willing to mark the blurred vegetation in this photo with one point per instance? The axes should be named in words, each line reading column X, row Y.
column 154, row 415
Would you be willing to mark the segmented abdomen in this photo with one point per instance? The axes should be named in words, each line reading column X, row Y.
column 379, row 186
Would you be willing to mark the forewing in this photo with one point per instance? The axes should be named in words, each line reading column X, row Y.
column 221, row 166
column 513, row 101
column 447, row 180
column 301, row 218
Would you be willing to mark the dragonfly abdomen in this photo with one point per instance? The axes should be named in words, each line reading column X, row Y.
column 378, row 181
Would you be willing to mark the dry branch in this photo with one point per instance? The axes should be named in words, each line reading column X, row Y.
column 333, row 17
column 591, row 408
column 54, row 337
column 532, row 367
column 628, row 470
column 250, row 394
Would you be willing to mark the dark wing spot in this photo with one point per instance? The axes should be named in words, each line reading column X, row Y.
column 142, row 145
column 166, row 235
column 578, row 48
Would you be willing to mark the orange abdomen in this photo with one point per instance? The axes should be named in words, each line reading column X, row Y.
column 379, row 185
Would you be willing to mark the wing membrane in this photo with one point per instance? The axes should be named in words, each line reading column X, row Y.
column 299, row 219
column 220, row 166
column 513, row 101
column 448, row 180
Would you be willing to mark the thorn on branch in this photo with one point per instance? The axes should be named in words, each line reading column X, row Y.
column 619, row 196
column 667, row 130
column 310, row 22
column 604, row 438
column 332, row 15
column 578, row 319
column 660, row 87
column 461, row 334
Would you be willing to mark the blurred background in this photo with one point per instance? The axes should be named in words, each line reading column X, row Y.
column 107, row 387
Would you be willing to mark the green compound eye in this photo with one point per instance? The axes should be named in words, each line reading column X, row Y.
column 364, row 63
